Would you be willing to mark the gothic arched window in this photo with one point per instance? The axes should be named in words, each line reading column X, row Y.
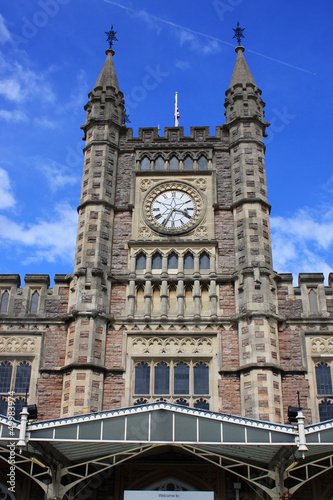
column 34, row 302
column 201, row 378
column 181, row 379
column 202, row 404
column 202, row 163
column 4, row 302
column 156, row 262
column 140, row 262
column 159, row 163
column 173, row 261
column 188, row 261
column 22, row 379
column 145, row 163
column 204, row 261
column 3, row 406
column 313, row 301
column 142, row 379
column 19, row 404
column 6, row 370
column 162, row 379
column 188, row 163
column 174, row 163
column 326, row 410
column 324, row 379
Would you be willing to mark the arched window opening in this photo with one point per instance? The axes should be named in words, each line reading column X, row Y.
column 162, row 379
column 145, row 163
column 3, row 407
column 22, row 379
column 174, row 163
column 313, row 301
column 4, row 302
column 202, row 404
column 182, row 402
column 142, row 379
column 140, row 262
column 173, row 299
column 188, row 299
column 201, row 378
column 6, row 370
column 156, row 262
column 204, row 261
column 140, row 298
column 34, row 302
column 188, row 163
column 159, row 163
column 19, row 404
column 140, row 401
column 181, row 379
column 202, row 163
column 326, row 410
column 205, row 302
column 156, row 302
column 188, row 261
column 173, row 261
column 324, row 379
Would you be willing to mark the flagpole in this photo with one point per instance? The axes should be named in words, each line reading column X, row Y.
column 176, row 110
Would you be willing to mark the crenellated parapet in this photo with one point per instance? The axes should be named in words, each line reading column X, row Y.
column 310, row 299
column 35, row 299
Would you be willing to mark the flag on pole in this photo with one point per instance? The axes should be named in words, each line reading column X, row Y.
column 176, row 110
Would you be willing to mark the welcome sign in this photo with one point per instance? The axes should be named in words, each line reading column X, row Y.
column 168, row 495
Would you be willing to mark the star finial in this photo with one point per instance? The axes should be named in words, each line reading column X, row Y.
column 238, row 33
column 111, row 36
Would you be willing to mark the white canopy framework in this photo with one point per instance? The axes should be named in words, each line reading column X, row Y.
column 272, row 457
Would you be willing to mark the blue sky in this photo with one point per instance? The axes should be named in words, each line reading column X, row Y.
column 51, row 52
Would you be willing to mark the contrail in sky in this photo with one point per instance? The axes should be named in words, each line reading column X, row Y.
column 209, row 37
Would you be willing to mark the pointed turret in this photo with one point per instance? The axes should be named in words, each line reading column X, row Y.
column 107, row 76
column 241, row 73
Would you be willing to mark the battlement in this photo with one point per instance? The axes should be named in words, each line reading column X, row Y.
column 173, row 135
column 35, row 298
column 310, row 298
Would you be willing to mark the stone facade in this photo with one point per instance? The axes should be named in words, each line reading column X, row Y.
column 143, row 295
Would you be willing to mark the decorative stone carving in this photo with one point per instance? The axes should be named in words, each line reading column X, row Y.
column 201, row 232
column 201, row 184
column 145, row 184
column 18, row 344
column 320, row 345
column 144, row 232
column 171, row 345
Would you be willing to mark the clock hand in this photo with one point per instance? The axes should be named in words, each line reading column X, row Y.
column 167, row 219
column 184, row 212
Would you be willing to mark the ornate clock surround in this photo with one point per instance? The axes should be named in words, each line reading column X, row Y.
column 165, row 186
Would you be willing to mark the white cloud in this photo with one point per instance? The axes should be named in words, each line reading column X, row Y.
column 304, row 242
column 49, row 240
column 57, row 175
column 18, row 83
column 44, row 122
column 183, row 65
column 14, row 116
column 4, row 33
column 7, row 200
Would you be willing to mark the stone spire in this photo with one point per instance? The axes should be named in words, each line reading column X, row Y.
column 107, row 76
column 241, row 73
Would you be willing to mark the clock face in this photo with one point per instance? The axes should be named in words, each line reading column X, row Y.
column 173, row 207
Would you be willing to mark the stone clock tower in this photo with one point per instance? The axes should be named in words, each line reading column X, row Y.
column 173, row 295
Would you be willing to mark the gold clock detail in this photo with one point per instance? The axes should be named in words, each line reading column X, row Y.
column 173, row 207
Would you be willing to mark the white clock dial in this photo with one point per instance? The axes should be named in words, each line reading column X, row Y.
column 173, row 209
